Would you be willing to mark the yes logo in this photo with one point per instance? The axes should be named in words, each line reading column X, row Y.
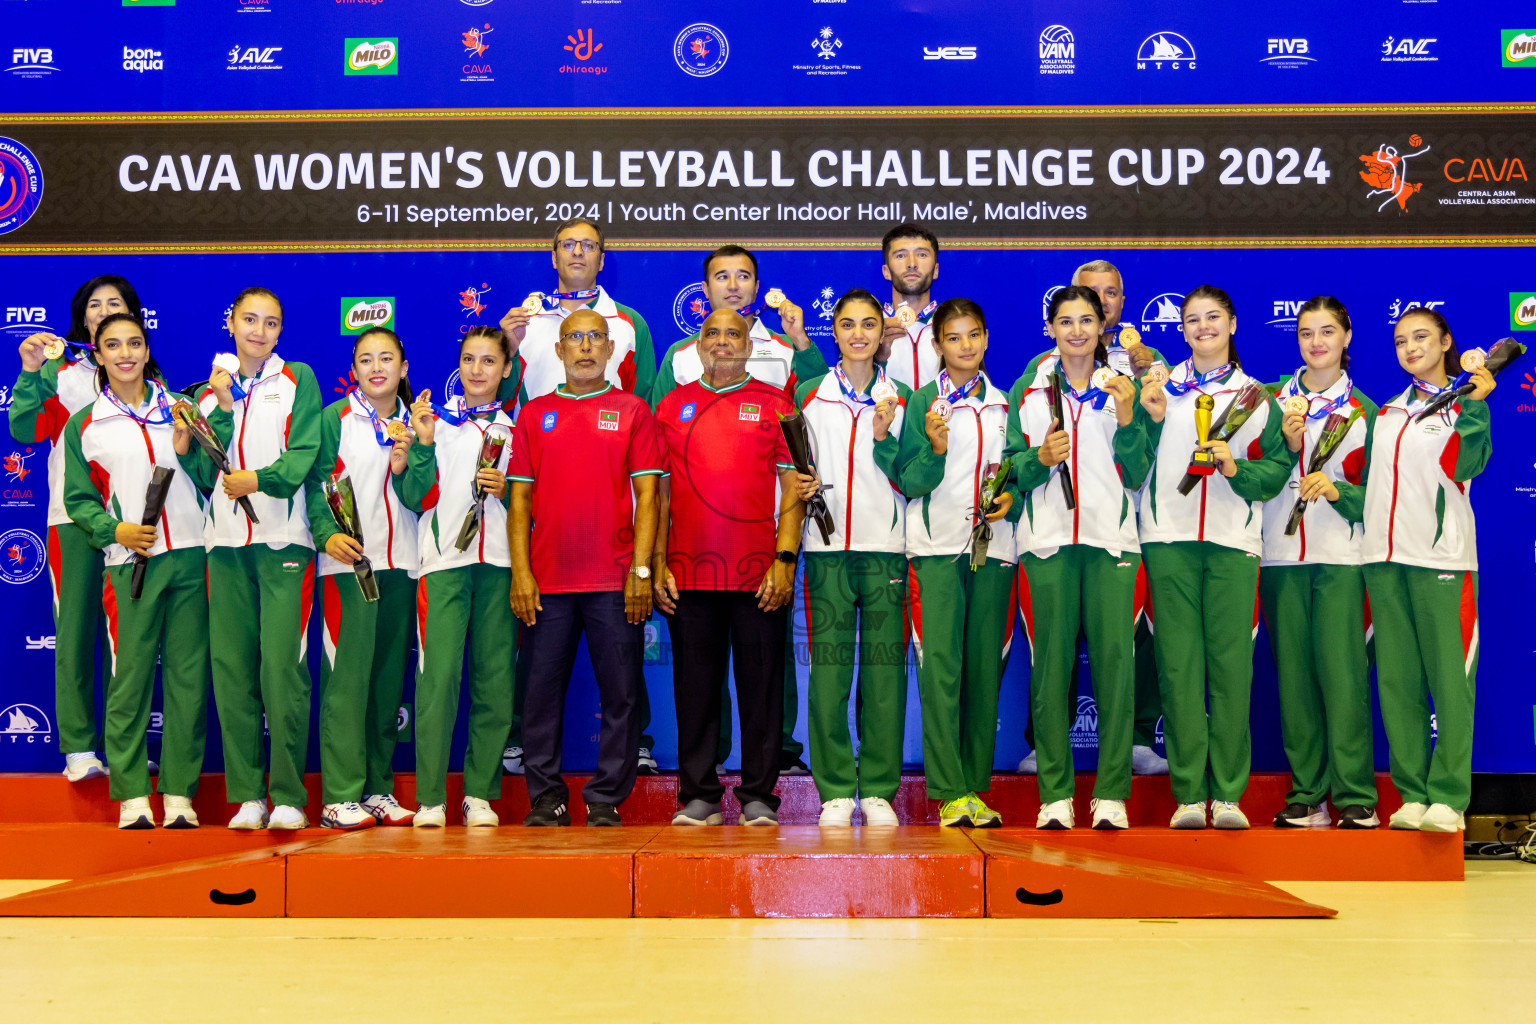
column 373, row 56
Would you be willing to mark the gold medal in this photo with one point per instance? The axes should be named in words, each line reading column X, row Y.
column 1129, row 336
column 533, row 304
column 1297, row 404
column 397, row 430
column 906, row 315
column 774, row 298
column 55, row 348
column 1102, row 376
column 1470, row 361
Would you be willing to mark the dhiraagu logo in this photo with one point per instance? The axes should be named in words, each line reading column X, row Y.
column 358, row 314
column 1522, row 311
column 373, row 56
column 1519, row 48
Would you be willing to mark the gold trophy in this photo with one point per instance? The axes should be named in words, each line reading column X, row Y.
column 1201, row 463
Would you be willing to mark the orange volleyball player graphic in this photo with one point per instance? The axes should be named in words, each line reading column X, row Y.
column 474, row 41
column 700, row 47
column 469, row 298
column 16, row 554
column 1386, row 171
column 16, row 465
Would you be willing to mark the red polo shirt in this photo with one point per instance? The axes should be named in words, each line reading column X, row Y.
column 580, row 453
column 724, row 450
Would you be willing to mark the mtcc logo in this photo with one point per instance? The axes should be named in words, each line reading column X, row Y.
column 1162, row 312
column 1165, row 51
column 24, row 723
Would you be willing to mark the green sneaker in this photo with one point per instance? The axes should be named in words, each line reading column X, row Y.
column 983, row 816
column 956, row 813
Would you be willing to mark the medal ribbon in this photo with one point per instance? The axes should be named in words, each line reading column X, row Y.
column 161, row 404
column 379, row 433
column 1293, row 387
column 239, row 393
column 927, row 311
column 553, row 299
column 855, row 396
column 1195, row 381
column 952, row 394
column 466, row 412
column 1090, row 396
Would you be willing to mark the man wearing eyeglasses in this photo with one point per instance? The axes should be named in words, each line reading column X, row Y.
column 583, row 566
column 577, row 257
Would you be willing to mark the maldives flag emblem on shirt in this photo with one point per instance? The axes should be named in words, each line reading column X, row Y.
column 749, row 413
column 607, row 421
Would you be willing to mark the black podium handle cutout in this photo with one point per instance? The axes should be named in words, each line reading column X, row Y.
column 1039, row 899
column 240, row 899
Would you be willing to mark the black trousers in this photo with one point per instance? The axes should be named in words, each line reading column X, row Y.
column 709, row 628
column 617, row 650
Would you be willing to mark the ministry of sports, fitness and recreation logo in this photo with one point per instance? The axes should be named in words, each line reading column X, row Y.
column 1084, row 734
column 359, row 314
column 24, row 723
column 1058, row 51
column 1162, row 312
column 700, row 50
column 372, row 56
column 1522, row 311
column 22, row 556
column 1386, row 172
column 690, row 308
column 1165, row 51
column 21, row 184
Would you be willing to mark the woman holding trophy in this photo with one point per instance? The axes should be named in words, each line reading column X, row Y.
column 1218, row 454
column 855, row 563
column 367, row 567
column 1310, row 582
column 962, row 505
column 1420, row 554
column 266, row 415
column 456, row 481
column 133, row 483
column 1077, row 438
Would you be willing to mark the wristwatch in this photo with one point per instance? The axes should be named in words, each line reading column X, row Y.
column 641, row 572
column 788, row 557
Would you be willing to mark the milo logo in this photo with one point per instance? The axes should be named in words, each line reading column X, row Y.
column 358, row 314
column 372, row 56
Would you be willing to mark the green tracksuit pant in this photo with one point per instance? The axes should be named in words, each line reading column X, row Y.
column 1204, row 607
column 75, row 568
column 466, row 606
column 1426, row 648
column 259, row 599
column 361, row 680
column 1316, row 619
column 1087, row 588
column 168, row 623
column 855, row 601
column 959, row 622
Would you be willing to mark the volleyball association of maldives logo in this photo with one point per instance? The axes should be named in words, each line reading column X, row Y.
column 22, row 556
column 1386, row 172
column 21, row 184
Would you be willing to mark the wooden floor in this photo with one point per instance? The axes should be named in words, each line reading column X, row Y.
column 1404, row 951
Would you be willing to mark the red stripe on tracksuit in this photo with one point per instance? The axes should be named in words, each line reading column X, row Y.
column 1026, row 604
column 1370, row 627
column 306, row 605
column 1141, row 602
column 1468, row 612
column 330, row 615
column 109, row 609
column 915, row 612
column 421, row 624
column 55, row 565
column 1013, row 612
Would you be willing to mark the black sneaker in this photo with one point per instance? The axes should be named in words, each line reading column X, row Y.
column 1302, row 816
column 548, row 810
column 1358, row 816
column 791, row 765
column 600, row 815
column 645, row 763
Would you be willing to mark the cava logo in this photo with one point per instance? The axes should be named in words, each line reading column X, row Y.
column 359, row 314
column 470, row 298
column 1165, row 51
column 1058, row 51
column 1519, row 48
column 373, row 56
column 1407, row 51
column 25, row 723
column 476, row 68
column 1522, row 311
column 1386, row 171
column 21, row 186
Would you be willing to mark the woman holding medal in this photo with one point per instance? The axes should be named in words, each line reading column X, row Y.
column 1081, row 552
column 854, row 415
column 959, row 615
column 460, row 492
column 112, row 449
column 364, row 439
column 1310, row 582
column 260, row 568
column 1200, row 536
column 58, row 379
column 1420, row 554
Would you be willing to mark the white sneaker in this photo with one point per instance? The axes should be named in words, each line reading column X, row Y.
column 1226, row 814
column 285, row 818
column 1144, row 761
column 1189, row 816
column 1407, row 817
column 512, row 760
column 1109, row 815
column 1440, row 818
column 431, row 816
column 1027, row 766
column 251, row 816
column 135, row 813
column 836, row 813
column 478, row 814
column 1055, row 816
column 79, row 767
column 179, row 812
column 386, row 810
column 645, row 762
column 878, row 812
column 348, row 816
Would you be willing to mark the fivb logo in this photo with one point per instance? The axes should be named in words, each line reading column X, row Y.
column 361, row 314
column 32, row 62
column 25, row 723
column 373, row 56
column 1284, row 313
column 1288, row 53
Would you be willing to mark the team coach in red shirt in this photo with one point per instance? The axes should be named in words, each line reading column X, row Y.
column 581, row 528
column 728, row 540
